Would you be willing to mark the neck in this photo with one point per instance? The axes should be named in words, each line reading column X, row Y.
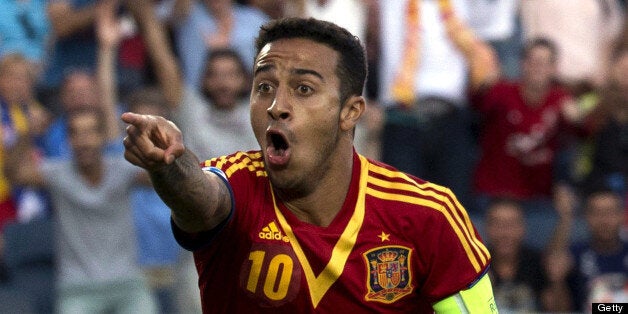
column 606, row 246
column 505, row 265
column 322, row 203
column 533, row 95
column 92, row 173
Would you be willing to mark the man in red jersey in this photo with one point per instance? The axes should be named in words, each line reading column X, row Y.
column 306, row 224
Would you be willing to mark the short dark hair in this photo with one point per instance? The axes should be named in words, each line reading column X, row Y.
column 228, row 53
column 351, row 69
column 606, row 184
column 224, row 53
column 149, row 95
column 541, row 42
column 503, row 202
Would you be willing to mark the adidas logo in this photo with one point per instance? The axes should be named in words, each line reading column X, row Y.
column 271, row 232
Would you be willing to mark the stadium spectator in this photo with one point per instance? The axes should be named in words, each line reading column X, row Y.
column 521, row 123
column 159, row 254
column 610, row 152
column 204, row 25
column 498, row 24
column 24, row 29
column 516, row 269
column 79, row 89
column 593, row 270
column 582, row 30
column 14, row 124
column 423, row 78
column 16, row 103
column 96, row 253
column 75, row 46
column 216, row 121
column 95, row 240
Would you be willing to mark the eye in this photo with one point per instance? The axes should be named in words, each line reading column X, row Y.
column 304, row 90
column 264, row 88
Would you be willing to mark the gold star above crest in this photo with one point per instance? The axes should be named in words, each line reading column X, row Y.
column 384, row 236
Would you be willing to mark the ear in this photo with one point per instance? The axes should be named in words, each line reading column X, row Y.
column 351, row 111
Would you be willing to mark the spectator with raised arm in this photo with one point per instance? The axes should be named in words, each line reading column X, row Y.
column 593, row 270
column 205, row 25
column 24, row 29
column 159, row 255
column 521, row 122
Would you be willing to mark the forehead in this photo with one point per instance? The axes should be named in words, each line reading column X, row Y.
column 540, row 51
column 504, row 211
column 298, row 53
column 13, row 65
column 605, row 201
column 83, row 120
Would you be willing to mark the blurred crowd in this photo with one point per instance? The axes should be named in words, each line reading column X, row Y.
column 519, row 107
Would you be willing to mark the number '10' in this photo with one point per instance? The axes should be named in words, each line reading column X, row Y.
column 276, row 284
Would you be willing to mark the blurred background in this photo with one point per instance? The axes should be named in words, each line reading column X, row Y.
column 519, row 107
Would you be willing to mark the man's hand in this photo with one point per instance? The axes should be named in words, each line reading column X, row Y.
column 152, row 142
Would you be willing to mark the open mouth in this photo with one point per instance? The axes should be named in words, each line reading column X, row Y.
column 278, row 149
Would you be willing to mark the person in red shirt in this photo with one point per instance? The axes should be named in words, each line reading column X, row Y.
column 306, row 224
column 521, row 121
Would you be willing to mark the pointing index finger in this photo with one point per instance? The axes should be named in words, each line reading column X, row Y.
column 133, row 118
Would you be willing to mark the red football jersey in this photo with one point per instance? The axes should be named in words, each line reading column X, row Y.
column 519, row 142
column 397, row 245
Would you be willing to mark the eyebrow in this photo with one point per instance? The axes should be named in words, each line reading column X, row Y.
column 269, row 67
column 263, row 68
column 308, row 72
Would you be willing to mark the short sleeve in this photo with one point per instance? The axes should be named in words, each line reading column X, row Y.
column 457, row 257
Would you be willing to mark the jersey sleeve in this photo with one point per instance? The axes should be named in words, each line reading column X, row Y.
column 457, row 258
column 238, row 171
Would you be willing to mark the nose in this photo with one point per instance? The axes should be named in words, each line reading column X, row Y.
column 280, row 107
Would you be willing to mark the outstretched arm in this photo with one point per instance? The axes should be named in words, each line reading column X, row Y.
column 199, row 200
column 21, row 167
column 484, row 68
column 109, row 36
column 66, row 20
column 159, row 50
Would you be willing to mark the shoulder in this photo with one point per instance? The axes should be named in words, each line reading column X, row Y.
column 249, row 163
column 123, row 169
column 192, row 98
column 419, row 203
column 503, row 86
column 578, row 248
column 387, row 183
column 52, row 166
column 558, row 93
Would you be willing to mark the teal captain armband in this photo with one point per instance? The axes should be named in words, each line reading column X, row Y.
column 477, row 299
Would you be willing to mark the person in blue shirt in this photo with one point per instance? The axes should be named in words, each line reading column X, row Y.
column 212, row 24
column 24, row 29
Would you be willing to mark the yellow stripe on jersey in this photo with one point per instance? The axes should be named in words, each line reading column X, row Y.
column 422, row 187
column 465, row 234
column 419, row 189
column 238, row 161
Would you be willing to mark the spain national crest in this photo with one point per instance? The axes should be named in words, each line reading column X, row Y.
column 389, row 275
